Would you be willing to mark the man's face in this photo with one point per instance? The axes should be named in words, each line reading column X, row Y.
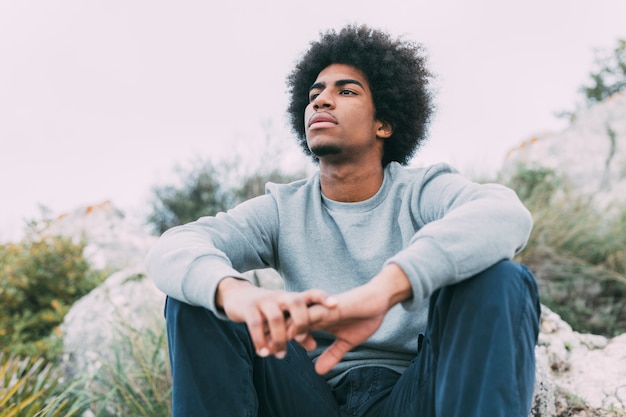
column 339, row 120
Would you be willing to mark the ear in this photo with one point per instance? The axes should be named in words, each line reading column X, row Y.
column 384, row 130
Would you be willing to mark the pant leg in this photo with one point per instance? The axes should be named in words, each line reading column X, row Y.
column 478, row 356
column 216, row 372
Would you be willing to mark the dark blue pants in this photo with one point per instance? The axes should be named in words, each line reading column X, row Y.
column 477, row 359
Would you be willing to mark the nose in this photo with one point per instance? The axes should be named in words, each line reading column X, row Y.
column 323, row 100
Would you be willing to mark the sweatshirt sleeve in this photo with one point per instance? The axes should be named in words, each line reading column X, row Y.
column 463, row 228
column 189, row 261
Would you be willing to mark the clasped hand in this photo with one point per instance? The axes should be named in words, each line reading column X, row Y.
column 275, row 317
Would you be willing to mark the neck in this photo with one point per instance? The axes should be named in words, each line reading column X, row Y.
column 349, row 183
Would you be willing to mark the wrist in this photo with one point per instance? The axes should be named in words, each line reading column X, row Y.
column 225, row 286
column 393, row 283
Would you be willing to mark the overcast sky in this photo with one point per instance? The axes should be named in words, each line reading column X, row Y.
column 102, row 99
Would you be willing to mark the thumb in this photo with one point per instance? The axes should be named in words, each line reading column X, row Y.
column 331, row 356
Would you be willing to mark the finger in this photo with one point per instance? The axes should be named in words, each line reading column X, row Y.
column 321, row 317
column 298, row 317
column 277, row 328
column 316, row 314
column 259, row 333
column 331, row 356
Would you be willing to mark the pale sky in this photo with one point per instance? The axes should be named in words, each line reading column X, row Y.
column 102, row 99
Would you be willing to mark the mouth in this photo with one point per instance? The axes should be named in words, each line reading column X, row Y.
column 323, row 119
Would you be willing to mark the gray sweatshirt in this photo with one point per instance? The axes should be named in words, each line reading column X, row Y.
column 439, row 227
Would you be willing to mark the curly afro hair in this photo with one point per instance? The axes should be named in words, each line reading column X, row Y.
column 396, row 72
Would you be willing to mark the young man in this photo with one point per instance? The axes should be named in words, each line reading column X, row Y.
column 400, row 297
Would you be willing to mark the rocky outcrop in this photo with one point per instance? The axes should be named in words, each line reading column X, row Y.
column 95, row 328
column 126, row 300
column 590, row 153
column 578, row 374
column 112, row 240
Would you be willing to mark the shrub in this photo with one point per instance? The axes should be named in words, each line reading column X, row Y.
column 39, row 281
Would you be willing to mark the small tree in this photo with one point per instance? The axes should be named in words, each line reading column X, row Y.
column 610, row 76
column 202, row 194
column 254, row 185
column 206, row 190
column 607, row 78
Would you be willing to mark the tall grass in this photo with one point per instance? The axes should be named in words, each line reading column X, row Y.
column 141, row 387
column 577, row 252
column 137, row 383
column 30, row 388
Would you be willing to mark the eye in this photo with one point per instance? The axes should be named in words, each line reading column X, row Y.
column 313, row 96
column 346, row 92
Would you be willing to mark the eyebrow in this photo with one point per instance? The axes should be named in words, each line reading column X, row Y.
column 338, row 83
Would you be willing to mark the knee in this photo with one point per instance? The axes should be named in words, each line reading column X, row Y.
column 503, row 280
column 181, row 315
column 500, row 300
column 505, row 286
column 508, row 288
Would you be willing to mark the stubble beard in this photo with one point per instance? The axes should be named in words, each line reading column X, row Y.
column 325, row 150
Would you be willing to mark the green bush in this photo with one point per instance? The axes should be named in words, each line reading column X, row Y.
column 576, row 251
column 39, row 281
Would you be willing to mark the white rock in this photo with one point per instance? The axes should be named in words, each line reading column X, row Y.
column 589, row 367
column 91, row 329
column 112, row 240
column 591, row 152
column 127, row 299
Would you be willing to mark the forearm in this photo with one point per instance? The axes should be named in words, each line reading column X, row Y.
column 393, row 284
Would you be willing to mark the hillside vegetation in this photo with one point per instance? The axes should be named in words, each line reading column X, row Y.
column 576, row 251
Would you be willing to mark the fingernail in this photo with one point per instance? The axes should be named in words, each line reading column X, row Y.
column 331, row 301
column 263, row 352
column 281, row 354
column 300, row 337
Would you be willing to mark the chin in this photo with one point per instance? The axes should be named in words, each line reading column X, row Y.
column 325, row 150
